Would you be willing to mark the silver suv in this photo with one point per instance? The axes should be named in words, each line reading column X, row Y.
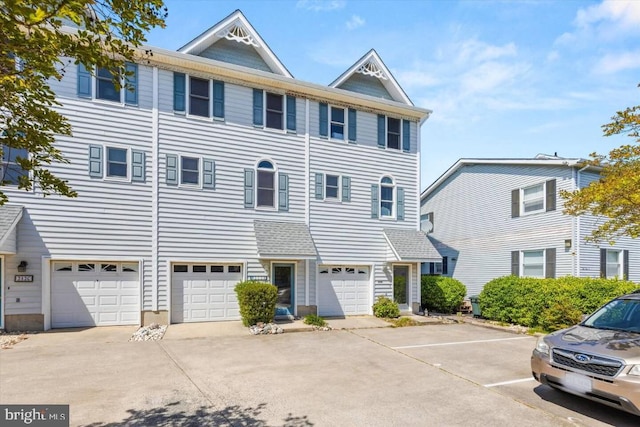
column 599, row 358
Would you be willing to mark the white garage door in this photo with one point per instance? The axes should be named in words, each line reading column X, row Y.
column 95, row 294
column 204, row 292
column 343, row 290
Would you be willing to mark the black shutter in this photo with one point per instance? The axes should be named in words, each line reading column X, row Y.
column 550, row 261
column 603, row 263
column 433, row 226
column 551, row 195
column 515, row 263
column 445, row 265
column 515, row 203
column 625, row 265
column 432, row 268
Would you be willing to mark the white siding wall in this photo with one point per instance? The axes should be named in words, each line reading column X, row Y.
column 472, row 221
column 108, row 219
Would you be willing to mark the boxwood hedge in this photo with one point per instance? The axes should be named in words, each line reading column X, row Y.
column 257, row 301
column 442, row 294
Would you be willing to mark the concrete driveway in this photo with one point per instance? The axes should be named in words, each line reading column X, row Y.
column 440, row 375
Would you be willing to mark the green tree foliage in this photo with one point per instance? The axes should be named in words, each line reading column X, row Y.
column 616, row 195
column 35, row 38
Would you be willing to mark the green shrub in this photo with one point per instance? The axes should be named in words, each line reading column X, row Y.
column 315, row 320
column 550, row 304
column 384, row 307
column 442, row 294
column 257, row 301
column 401, row 322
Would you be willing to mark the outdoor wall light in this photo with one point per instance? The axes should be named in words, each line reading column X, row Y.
column 22, row 267
column 567, row 244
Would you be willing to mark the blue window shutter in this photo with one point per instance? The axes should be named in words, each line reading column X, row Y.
column 248, row 188
column 406, row 136
column 375, row 201
column 179, row 91
column 382, row 131
column 208, row 174
column 400, row 212
column 324, row 120
column 283, row 192
column 319, row 186
column 346, row 189
column 172, row 169
column 291, row 113
column 84, row 82
column 95, row 161
column 131, row 89
column 257, row 108
column 352, row 125
column 138, row 172
column 218, row 99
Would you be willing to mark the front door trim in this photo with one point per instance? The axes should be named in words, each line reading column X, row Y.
column 294, row 272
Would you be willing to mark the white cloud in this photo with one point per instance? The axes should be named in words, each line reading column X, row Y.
column 622, row 12
column 489, row 76
column 477, row 51
column 612, row 63
column 355, row 22
column 416, row 78
column 320, row 5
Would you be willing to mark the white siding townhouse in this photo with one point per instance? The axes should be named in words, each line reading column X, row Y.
column 219, row 167
column 495, row 217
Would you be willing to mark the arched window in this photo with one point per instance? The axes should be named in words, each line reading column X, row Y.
column 387, row 190
column 266, row 180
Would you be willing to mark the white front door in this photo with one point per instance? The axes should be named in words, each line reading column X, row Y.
column 344, row 290
column 94, row 293
column 204, row 292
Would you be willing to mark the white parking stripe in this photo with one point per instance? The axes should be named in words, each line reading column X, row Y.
column 460, row 342
column 510, row 382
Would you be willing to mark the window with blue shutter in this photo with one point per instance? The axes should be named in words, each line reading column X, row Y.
column 291, row 113
column 283, row 192
column 346, row 189
column 172, row 169
column 138, row 172
column 400, row 208
column 179, row 91
column 319, row 186
column 95, row 161
column 248, row 188
column 218, row 99
column 84, row 82
column 352, row 137
column 375, row 201
column 131, row 87
column 382, row 131
column 406, row 136
column 258, row 102
column 208, row 174
column 323, row 129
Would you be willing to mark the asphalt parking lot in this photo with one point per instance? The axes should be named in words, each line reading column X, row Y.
column 436, row 375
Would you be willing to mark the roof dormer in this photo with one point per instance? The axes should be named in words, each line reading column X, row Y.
column 370, row 76
column 234, row 40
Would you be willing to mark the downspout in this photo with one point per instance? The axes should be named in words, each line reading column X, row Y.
column 578, row 241
column 307, row 198
column 155, row 136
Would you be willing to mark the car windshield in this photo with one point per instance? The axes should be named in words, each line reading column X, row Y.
column 617, row 315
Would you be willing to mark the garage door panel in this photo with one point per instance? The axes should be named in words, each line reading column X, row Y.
column 343, row 290
column 204, row 296
column 95, row 297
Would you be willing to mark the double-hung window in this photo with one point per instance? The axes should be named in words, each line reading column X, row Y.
column 189, row 170
column 333, row 187
column 387, row 200
column 533, row 263
column 387, row 189
column 337, row 123
column 274, row 111
column 11, row 171
column 533, row 199
column 198, row 97
column 539, row 263
column 265, row 187
column 614, row 263
column 103, row 84
column 117, row 163
column 394, row 134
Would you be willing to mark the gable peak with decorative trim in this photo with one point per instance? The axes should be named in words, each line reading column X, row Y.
column 236, row 28
column 369, row 75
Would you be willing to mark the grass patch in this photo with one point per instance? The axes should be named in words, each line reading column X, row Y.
column 401, row 322
column 314, row 320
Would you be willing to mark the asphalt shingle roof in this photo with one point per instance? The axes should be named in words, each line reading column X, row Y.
column 8, row 216
column 411, row 245
column 276, row 238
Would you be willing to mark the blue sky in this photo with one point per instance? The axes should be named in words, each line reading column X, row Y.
column 503, row 78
